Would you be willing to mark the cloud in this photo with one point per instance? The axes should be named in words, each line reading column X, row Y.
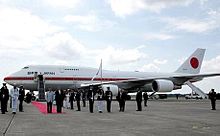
column 154, row 66
column 192, row 25
column 90, row 22
column 212, row 65
column 123, row 8
column 159, row 36
column 62, row 4
column 202, row 2
column 26, row 35
column 212, row 12
column 120, row 56
column 182, row 60
column 210, row 23
column 150, row 67
column 157, row 61
column 20, row 29
column 63, row 46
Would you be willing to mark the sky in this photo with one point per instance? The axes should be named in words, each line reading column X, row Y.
column 128, row 35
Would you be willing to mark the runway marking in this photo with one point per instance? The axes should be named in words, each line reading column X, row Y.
column 9, row 124
column 106, row 119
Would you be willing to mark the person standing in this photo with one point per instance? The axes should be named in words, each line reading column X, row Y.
column 14, row 98
column 4, row 96
column 145, row 95
column 212, row 97
column 72, row 98
column 78, row 95
column 177, row 96
column 21, row 98
column 139, row 100
column 123, row 98
column 68, row 99
column 100, row 100
column 49, row 99
column 118, row 99
column 108, row 96
column 65, row 102
column 84, row 98
column 90, row 96
column 59, row 100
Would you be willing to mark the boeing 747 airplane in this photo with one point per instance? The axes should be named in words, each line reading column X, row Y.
column 67, row 77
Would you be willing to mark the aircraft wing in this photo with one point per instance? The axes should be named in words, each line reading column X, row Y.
column 195, row 76
column 180, row 79
column 123, row 83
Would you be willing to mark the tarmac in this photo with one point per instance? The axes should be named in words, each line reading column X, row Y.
column 161, row 117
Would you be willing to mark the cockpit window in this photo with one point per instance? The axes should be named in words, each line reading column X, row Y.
column 25, row 67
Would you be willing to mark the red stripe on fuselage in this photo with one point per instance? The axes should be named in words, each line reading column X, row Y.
column 18, row 78
column 66, row 78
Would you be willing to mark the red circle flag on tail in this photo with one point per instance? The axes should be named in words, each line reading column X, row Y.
column 194, row 62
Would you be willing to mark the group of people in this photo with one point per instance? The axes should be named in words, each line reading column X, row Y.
column 65, row 98
column 16, row 95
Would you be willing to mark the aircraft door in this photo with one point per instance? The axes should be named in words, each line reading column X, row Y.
column 74, row 82
column 62, row 70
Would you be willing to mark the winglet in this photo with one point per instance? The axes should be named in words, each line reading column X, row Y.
column 193, row 64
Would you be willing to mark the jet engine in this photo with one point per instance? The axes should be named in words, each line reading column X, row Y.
column 162, row 85
column 113, row 88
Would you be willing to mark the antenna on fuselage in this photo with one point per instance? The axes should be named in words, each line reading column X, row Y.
column 99, row 71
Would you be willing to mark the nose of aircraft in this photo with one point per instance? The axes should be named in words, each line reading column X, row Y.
column 9, row 80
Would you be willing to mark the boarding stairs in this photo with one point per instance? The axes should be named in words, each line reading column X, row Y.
column 41, row 87
column 197, row 90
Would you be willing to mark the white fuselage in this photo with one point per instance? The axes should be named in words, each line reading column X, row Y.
column 66, row 77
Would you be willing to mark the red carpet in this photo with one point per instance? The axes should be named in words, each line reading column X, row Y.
column 42, row 107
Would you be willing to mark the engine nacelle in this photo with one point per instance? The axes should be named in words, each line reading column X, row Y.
column 113, row 89
column 162, row 85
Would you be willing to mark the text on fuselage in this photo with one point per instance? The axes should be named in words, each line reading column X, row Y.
column 44, row 73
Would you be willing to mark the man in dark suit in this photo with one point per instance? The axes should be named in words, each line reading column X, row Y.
column 145, row 95
column 139, row 100
column 72, row 98
column 21, row 98
column 122, row 95
column 59, row 100
column 4, row 96
column 90, row 97
column 108, row 97
column 84, row 98
column 78, row 96
column 212, row 97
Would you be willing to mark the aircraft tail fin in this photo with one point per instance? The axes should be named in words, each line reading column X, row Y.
column 193, row 64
